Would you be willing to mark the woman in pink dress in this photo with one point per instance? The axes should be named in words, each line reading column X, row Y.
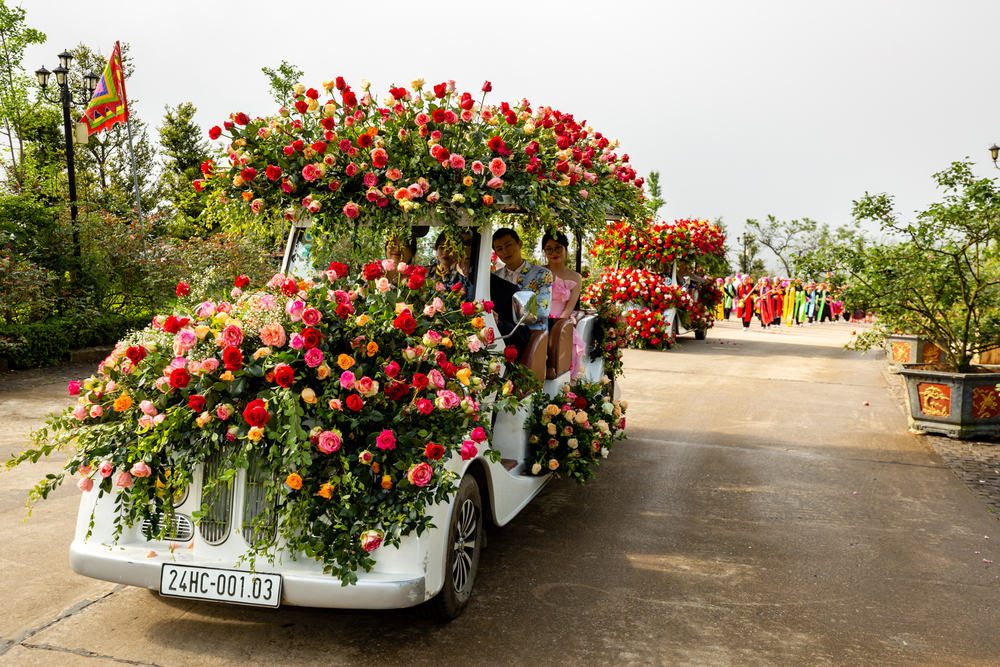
column 566, row 285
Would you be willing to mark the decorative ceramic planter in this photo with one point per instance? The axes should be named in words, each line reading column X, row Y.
column 905, row 349
column 958, row 405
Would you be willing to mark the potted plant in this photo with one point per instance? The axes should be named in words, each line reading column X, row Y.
column 939, row 281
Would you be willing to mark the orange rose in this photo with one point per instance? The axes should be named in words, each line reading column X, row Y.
column 488, row 200
column 478, row 323
column 247, row 196
column 269, row 376
column 467, row 181
column 294, row 481
column 323, row 372
column 345, row 361
column 386, row 482
column 372, row 349
column 446, row 342
column 326, row 491
column 375, row 467
column 123, row 403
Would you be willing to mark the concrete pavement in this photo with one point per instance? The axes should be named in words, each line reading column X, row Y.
column 759, row 514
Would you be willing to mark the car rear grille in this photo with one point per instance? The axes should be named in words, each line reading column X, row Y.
column 214, row 525
column 181, row 529
column 255, row 504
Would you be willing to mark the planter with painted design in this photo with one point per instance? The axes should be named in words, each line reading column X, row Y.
column 905, row 349
column 958, row 405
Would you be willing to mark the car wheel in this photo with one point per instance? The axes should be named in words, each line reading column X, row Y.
column 465, row 541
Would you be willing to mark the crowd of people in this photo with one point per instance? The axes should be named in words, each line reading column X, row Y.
column 776, row 301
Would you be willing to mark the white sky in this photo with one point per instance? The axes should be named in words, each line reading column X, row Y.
column 746, row 108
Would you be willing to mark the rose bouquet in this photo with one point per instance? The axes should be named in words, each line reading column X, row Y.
column 347, row 158
column 349, row 396
column 574, row 431
column 655, row 246
column 649, row 329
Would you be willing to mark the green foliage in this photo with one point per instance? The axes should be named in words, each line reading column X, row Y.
column 48, row 343
column 184, row 150
column 16, row 114
column 656, row 200
column 942, row 280
column 281, row 79
column 819, row 258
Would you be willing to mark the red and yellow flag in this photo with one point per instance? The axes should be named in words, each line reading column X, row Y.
column 109, row 104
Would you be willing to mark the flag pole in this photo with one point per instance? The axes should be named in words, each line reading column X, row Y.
column 135, row 176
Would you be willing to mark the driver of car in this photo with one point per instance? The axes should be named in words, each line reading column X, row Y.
column 517, row 275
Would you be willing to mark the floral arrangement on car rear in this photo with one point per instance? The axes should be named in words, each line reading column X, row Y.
column 351, row 396
column 346, row 158
column 575, row 430
column 655, row 246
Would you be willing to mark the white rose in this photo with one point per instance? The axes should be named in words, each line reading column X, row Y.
column 604, row 452
column 535, row 469
column 573, row 443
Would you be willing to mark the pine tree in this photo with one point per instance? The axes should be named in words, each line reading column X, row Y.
column 184, row 150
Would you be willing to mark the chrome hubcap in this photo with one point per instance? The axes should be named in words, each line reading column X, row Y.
column 465, row 545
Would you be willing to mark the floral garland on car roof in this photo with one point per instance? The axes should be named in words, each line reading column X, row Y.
column 352, row 396
column 350, row 160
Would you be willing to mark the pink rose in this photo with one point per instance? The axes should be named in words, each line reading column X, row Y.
column 105, row 469
column 329, row 442
column 186, row 340
column 478, row 434
column 498, row 167
column 314, row 357
column 386, row 440
column 96, row 411
column 85, row 484
column 85, row 470
column 124, row 480
column 140, row 469
column 347, row 380
column 74, row 388
column 294, row 308
column 336, row 404
column 446, row 399
column 457, row 161
column 145, row 421
column 351, row 210
column 224, row 412
column 206, row 310
column 383, row 284
column 298, row 342
column 80, row 412
column 422, row 119
column 365, row 457
column 474, row 343
column 420, row 474
column 273, row 335
column 429, row 310
column 209, row 365
column 371, row 540
column 392, row 369
column 311, row 316
column 495, row 183
column 436, row 379
column 232, row 335
column 469, row 450
column 366, row 386
column 424, row 406
column 477, row 167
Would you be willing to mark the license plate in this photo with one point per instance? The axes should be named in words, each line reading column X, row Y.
column 209, row 583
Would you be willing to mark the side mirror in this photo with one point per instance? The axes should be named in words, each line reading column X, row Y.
column 526, row 307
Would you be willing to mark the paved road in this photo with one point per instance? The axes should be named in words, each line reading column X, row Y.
column 759, row 514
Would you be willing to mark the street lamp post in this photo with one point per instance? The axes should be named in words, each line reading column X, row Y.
column 995, row 152
column 745, row 258
column 66, row 99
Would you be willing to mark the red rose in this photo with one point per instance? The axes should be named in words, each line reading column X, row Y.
column 438, row 115
column 242, row 282
column 511, row 118
column 415, row 281
column 311, row 338
column 487, row 87
column 273, row 172
column 510, row 353
column 397, row 93
column 350, row 99
column 420, row 381
column 171, row 325
column 373, row 271
column 328, row 123
column 580, row 403
column 241, row 118
column 301, row 106
column 340, row 83
column 284, row 375
column 207, row 167
column 355, row 403
column 466, row 102
column 338, row 267
column 135, row 354
column 495, row 143
column 233, row 358
column 343, row 310
column 433, row 451
column 290, row 287
column 405, row 323
column 256, row 413
column 468, row 308
column 397, row 391
column 179, row 378
column 449, row 369
column 488, row 306
column 365, row 140
column 183, row 289
column 249, row 174
column 215, row 133
column 312, row 94
column 440, row 90
column 196, row 402
column 228, row 125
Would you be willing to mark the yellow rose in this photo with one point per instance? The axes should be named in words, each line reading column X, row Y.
column 201, row 331
column 261, row 352
column 330, row 108
column 227, row 376
column 330, row 84
column 463, row 375
column 312, row 105
column 362, row 320
column 237, row 181
column 294, row 481
column 417, row 84
column 256, row 433
column 309, row 396
column 552, row 410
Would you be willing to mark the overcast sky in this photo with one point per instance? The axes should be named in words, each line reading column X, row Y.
column 746, row 108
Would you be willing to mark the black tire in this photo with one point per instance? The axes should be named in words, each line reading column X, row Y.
column 701, row 334
column 465, row 542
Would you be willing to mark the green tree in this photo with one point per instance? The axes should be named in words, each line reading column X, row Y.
column 748, row 251
column 15, row 84
column 104, row 165
column 184, row 150
column 785, row 239
column 281, row 79
column 819, row 257
column 656, row 200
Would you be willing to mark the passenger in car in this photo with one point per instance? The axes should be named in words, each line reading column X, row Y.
column 444, row 267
